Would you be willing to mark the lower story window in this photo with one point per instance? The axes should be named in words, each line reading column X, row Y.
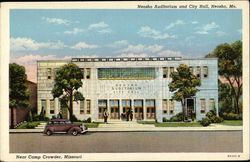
column 88, row 106
column 203, row 105
column 81, row 107
column 168, row 106
column 52, row 107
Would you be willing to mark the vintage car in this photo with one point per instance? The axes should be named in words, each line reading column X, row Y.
column 62, row 125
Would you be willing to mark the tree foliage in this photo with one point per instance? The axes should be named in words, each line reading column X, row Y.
column 230, row 67
column 18, row 89
column 67, row 83
column 183, row 85
column 18, row 95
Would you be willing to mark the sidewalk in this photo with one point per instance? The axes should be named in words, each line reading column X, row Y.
column 144, row 128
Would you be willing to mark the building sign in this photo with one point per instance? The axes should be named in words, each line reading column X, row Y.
column 132, row 88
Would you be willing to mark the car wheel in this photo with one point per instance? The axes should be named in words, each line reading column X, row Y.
column 74, row 133
column 49, row 133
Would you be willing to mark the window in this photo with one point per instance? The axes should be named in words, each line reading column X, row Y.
column 88, row 106
column 191, row 69
column 52, row 106
column 126, row 73
column 211, row 104
column 203, row 105
column 44, row 107
column 165, row 106
column 168, row 106
column 171, row 69
column 82, row 71
column 171, row 106
column 198, row 71
column 205, row 71
column 150, row 106
column 165, row 72
column 114, row 109
column 49, row 73
column 102, row 105
column 88, row 74
column 81, row 107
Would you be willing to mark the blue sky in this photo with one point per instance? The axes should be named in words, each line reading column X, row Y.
column 61, row 34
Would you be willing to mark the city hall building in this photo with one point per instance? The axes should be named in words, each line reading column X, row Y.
column 136, row 84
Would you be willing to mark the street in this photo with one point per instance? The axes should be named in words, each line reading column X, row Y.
column 114, row 142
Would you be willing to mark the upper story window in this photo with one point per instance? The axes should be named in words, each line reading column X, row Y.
column 165, row 72
column 198, row 71
column 49, row 73
column 88, row 73
column 205, row 71
column 126, row 73
column 191, row 69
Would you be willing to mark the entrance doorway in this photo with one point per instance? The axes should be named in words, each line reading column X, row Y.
column 190, row 108
column 102, row 105
column 126, row 109
column 138, row 109
column 114, row 109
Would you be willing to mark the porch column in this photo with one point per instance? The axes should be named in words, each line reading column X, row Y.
column 133, row 109
column 144, row 110
column 47, row 108
column 108, row 108
column 120, row 108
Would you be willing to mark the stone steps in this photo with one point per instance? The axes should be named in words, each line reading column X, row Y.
column 41, row 126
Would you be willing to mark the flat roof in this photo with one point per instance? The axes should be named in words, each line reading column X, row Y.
column 124, row 59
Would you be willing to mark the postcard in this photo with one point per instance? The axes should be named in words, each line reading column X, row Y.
column 125, row 81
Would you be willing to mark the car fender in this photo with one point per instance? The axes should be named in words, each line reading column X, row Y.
column 74, row 128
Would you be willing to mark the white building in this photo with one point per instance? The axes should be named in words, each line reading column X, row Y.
column 139, row 84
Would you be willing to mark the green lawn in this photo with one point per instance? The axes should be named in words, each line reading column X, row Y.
column 232, row 122
column 172, row 124
column 26, row 125
column 179, row 124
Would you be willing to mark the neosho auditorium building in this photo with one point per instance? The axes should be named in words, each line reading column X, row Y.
column 139, row 84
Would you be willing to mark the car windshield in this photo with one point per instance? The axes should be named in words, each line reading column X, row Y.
column 68, row 122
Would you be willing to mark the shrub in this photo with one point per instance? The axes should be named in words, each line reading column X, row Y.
column 210, row 114
column 216, row 119
column 89, row 120
column 74, row 119
column 164, row 119
column 231, row 116
column 30, row 119
column 177, row 117
column 205, row 122
column 40, row 118
column 31, row 125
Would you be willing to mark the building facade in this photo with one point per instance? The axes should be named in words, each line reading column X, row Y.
column 136, row 84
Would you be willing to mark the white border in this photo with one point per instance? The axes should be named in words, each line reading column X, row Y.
column 4, row 59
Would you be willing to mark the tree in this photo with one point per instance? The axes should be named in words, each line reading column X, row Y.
column 225, row 98
column 67, row 82
column 18, row 95
column 230, row 67
column 183, row 85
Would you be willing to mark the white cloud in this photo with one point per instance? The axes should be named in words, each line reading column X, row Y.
column 194, row 22
column 98, row 25
column 56, row 21
column 25, row 44
column 170, row 53
column 220, row 33
column 204, row 29
column 103, row 31
column 177, row 22
column 133, row 55
column 28, row 44
column 74, row 31
column 142, row 48
column 146, row 31
column 118, row 43
column 82, row 45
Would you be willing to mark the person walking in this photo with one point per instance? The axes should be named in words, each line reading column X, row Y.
column 105, row 115
column 131, row 115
